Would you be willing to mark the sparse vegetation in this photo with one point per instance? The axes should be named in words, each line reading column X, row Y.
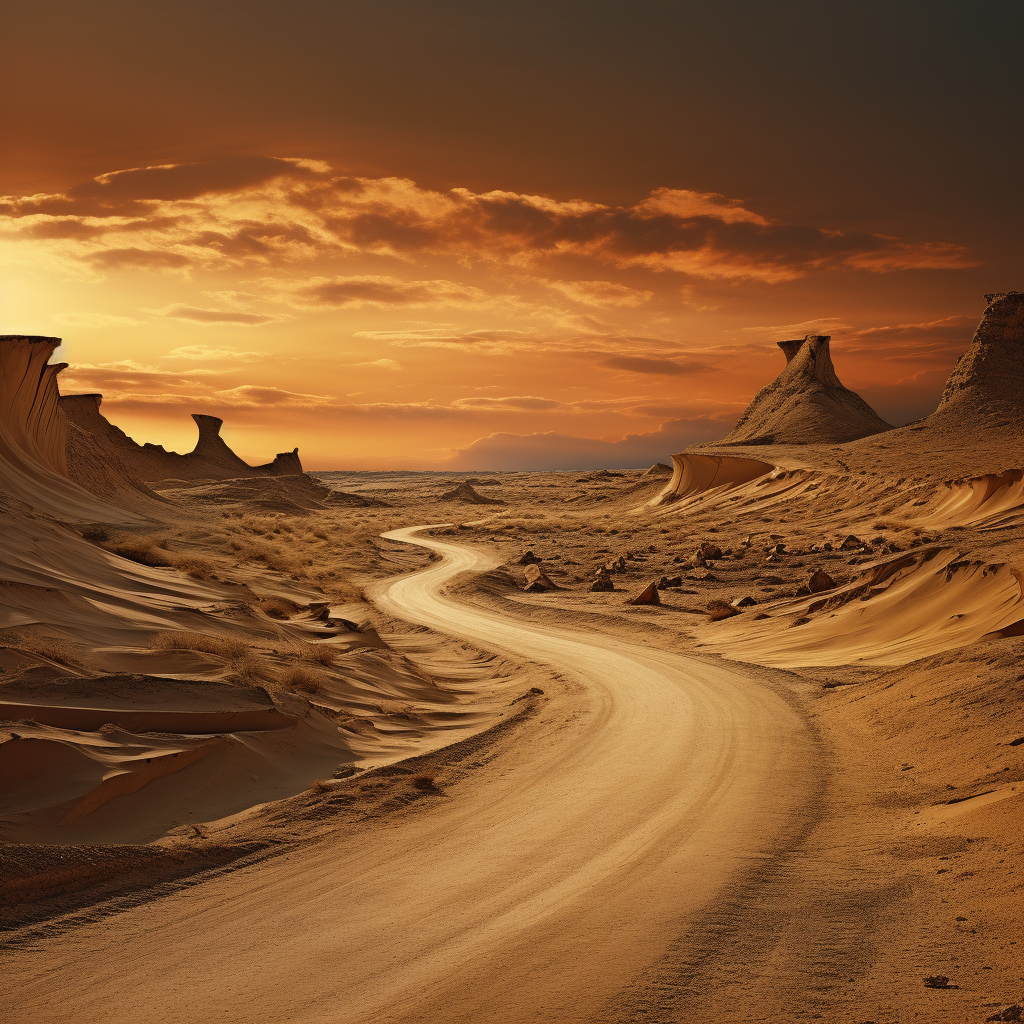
column 299, row 677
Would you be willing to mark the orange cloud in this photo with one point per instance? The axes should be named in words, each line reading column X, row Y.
column 274, row 211
column 385, row 291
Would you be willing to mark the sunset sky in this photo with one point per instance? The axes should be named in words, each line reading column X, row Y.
column 409, row 234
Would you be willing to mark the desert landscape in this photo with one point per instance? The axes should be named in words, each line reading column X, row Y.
column 734, row 739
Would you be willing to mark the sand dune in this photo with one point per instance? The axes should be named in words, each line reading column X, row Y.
column 897, row 610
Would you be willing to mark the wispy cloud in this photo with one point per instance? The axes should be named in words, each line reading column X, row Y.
column 217, row 317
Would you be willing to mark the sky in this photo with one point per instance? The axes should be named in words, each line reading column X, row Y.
column 415, row 234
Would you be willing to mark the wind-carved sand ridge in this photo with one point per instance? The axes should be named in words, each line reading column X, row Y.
column 786, row 785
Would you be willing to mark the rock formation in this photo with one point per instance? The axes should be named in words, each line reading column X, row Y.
column 806, row 403
column 211, row 459
column 990, row 374
column 658, row 469
column 36, row 440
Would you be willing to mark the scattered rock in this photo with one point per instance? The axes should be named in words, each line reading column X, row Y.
column 659, row 469
column 1010, row 1013
column 718, row 610
column 649, row 595
column 743, row 602
column 851, row 543
column 602, row 585
column 670, row 581
column 529, row 559
column 938, row 981
column 538, row 581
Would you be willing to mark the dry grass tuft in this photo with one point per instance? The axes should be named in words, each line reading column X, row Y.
column 318, row 654
column 426, row 782
column 28, row 639
column 197, row 568
column 185, row 640
column 247, row 667
column 308, row 680
column 320, row 786
column 144, row 550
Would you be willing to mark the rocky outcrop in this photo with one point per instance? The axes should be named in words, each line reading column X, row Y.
column 44, row 462
column 806, row 403
column 211, row 459
column 990, row 373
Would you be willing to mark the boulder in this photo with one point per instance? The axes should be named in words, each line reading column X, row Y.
column 649, row 595
column 602, row 585
column 536, row 578
column 851, row 543
column 819, row 581
column 529, row 559
column 742, row 602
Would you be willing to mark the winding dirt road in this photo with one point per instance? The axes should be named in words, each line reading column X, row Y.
column 555, row 876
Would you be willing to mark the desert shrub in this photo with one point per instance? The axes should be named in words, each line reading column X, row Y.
column 298, row 677
column 318, row 654
column 29, row 639
column 425, row 782
column 96, row 534
column 247, row 669
column 718, row 610
column 320, row 786
column 197, row 568
column 144, row 550
column 187, row 640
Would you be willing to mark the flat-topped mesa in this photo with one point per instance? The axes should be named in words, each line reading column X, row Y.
column 991, row 372
column 807, row 403
column 210, row 459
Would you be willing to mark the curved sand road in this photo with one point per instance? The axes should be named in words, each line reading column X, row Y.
column 547, row 882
